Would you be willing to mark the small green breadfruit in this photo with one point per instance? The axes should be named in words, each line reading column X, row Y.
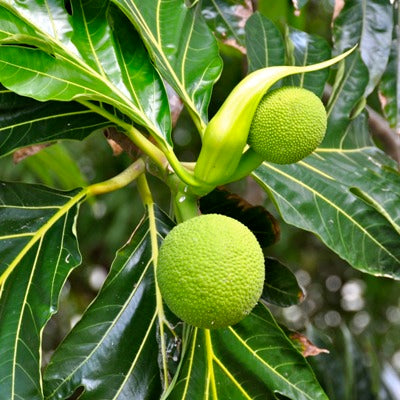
column 211, row 271
column 288, row 125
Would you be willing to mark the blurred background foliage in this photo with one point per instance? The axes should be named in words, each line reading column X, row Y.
column 354, row 315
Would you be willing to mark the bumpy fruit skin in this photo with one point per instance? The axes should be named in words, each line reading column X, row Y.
column 289, row 124
column 211, row 271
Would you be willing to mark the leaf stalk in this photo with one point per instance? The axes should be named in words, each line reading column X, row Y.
column 127, row 176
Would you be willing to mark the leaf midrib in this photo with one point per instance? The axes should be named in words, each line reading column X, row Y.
column 77, row 62
column 334, row 206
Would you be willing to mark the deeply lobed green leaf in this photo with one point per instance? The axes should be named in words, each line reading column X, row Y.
column 47, row 54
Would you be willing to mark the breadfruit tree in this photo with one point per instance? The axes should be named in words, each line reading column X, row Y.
column 200, row 99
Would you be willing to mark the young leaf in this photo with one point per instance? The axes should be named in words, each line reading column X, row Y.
column 83, row 56
column 38, row 250
column 252, row 359
column 183, row 48
column 122, row 341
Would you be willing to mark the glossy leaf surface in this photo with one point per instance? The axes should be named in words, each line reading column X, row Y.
column 264, row 43
column 38, row 249
column 369, row 23
column 347, row 98
column 24, row 121
column 117, row 348
column 305, row 49
column 253, row 359
column 256, row 218
column 47, row 54
column 183, row 48
column 348, row 207
column 227, row 19
column 341, row 188
column 281, row 287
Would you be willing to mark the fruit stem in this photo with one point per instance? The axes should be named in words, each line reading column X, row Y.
column 248, row 163
column 184, row 201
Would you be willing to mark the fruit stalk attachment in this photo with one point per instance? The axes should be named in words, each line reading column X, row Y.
column 226, row 135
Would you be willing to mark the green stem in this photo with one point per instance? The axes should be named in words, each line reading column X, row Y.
column 248, row 163
column 184, row 201
column 137, row 138
column 186, row 206
column 161, row 155
column 134, row 171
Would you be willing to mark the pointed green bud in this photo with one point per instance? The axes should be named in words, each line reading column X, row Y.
column 226, row 134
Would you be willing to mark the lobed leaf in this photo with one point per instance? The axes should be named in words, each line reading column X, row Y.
column 352, row 207
column 182, row 46
column 38, row 250
column 47, row 54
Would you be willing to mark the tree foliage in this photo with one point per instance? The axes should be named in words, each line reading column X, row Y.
column 71, row 68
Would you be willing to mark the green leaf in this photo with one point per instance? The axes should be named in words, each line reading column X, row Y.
column 352, row 207
column 280, row 285
column 118, row 347
column 252, row 359
column 83, row 56
column 389, row 88
column 347, row 96
column 227, row 18
column 24, row 121
column 183, row 48
column 264, row 43
column 305, row 49
column 369, row 23
column 38, row 249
